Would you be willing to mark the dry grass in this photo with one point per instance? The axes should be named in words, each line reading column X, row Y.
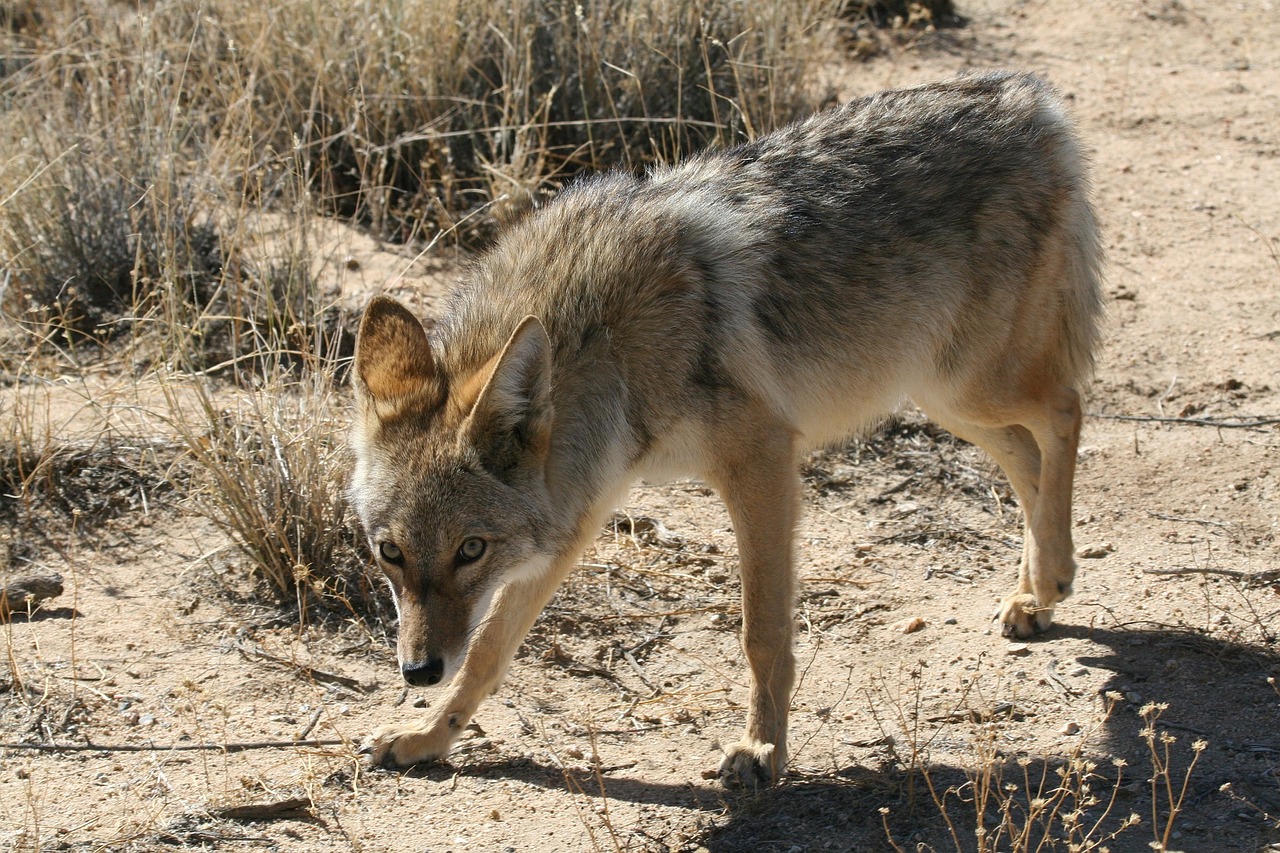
column 128, row 131
column 152, row 156
column 1014, row 802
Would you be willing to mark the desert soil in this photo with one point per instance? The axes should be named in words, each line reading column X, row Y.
column 604, row 733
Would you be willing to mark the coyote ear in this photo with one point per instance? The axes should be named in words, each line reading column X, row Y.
column 513, row 413
column 393, row 365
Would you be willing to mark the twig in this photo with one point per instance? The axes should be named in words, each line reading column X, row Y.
column 1004, row 710
column 292, row 807
column 1195, row 570
column 1249, row 423
column 1163, row 517
column 302, row 669
column 1179, row 727
column 639, row 671
column 1063, row 689
column 311, row 723
column 178, row 747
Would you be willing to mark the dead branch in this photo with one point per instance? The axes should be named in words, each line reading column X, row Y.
column 173, row 747
column 1244, row 423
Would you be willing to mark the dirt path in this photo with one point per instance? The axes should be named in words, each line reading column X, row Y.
column 615, row 708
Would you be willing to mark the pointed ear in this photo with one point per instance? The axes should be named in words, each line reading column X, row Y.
column 393, row 366
column 512, row 416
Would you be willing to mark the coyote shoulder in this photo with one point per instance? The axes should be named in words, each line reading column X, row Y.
column 715, row 319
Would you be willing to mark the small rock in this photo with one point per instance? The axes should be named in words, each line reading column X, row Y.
column 1016, row 649
column 951, row 620
column 909, row 626
column 1096, row 550
column 1069, row 728
column 574, row 752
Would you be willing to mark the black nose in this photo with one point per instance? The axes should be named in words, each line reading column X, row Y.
column 423, row 674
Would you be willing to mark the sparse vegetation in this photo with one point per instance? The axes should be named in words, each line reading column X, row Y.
column 172, row 355
column 134, row 138
column 153, row 156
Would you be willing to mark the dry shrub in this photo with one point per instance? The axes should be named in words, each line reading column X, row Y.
column 270, row 471
column 144, row 145
column 415, row 117
column 86, row 253
column 871, row 27
column 885, row 13
column 409, row 117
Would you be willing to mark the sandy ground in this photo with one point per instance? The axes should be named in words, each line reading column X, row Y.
column 613, row 713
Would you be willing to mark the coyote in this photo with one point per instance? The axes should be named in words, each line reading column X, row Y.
column 715, row 319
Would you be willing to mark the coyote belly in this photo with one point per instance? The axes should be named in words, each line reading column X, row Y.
column 716, row 319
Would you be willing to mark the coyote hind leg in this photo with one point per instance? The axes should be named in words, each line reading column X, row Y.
column 1036, row 447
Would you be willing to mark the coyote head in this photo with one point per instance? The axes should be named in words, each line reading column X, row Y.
column 450, row 478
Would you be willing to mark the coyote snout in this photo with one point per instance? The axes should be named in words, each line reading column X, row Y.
column 430, row 638
column 717, row 319
column 427, row 673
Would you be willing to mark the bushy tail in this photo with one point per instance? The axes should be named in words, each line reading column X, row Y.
column 1082, row 318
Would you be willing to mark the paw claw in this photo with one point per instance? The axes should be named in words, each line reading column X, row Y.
column 391, row 747
column 750, row 765
column 1021, row 616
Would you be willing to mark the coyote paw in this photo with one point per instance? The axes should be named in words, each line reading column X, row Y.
column 751, row 764
column 1020, row 615
column 405, row 745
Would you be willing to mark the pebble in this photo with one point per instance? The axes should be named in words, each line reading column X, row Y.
column 1096, row 550
column 1069, row 728
column 909, row 626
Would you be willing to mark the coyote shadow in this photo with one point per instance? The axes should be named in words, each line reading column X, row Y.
column 1215, row 690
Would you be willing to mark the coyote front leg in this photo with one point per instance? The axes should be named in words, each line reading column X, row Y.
column 492, row 645
column 760, row 489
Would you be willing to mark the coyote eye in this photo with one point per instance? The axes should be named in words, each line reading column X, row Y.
column 472, row 549
column 391, row 553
